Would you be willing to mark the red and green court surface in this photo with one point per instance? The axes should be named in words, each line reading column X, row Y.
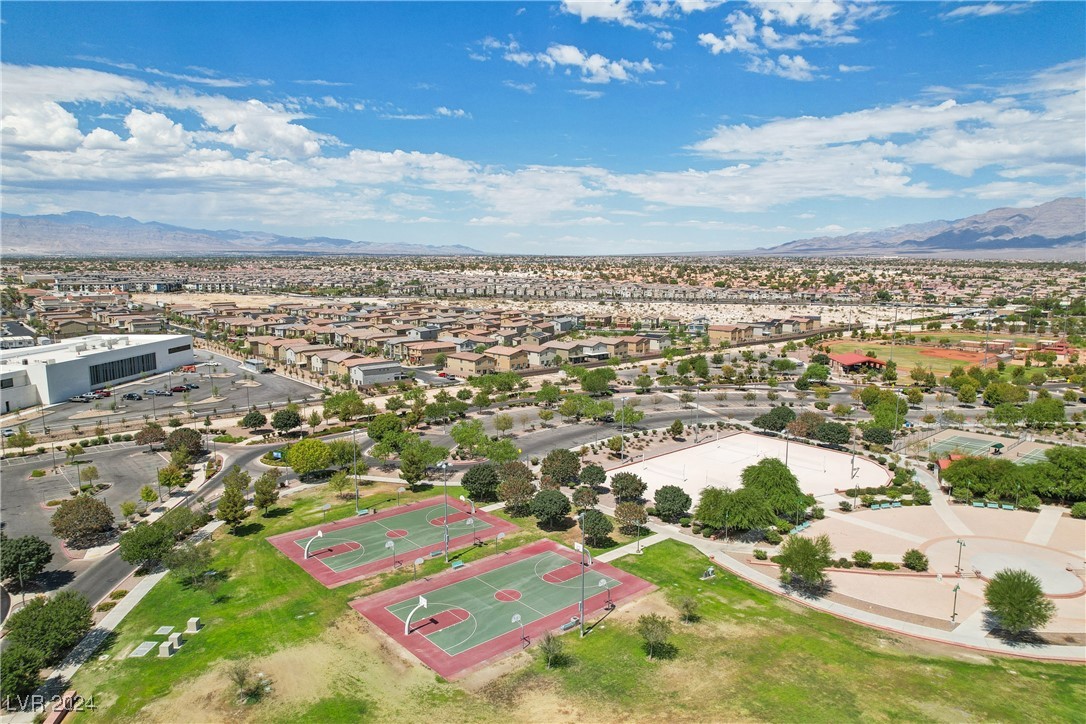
column 469, row 614
column 354, row 548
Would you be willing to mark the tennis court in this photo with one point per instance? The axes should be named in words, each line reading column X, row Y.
column 495, row 606
column 957, row 442
column 353, row 548
column 1033, row 456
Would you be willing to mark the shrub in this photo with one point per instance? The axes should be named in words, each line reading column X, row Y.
column 1078, row 510
column 862, row 559
column 51, row 626
column 818, row 513
column 685, row 522
column 760, row 555
column 922, row 497
column 772, row 537
column 1029, row 502
column 962, row 494
column 843, row 562
column 37, row 473
column 914, row 560
column 885, row 566
column 845, row 506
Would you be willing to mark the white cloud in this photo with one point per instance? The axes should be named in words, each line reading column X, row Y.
column 445, row 112
column 792, row 67
column 591, row 68
column 591, row 95
column 523, row 87
column 854, row 68
column 608, row 10
column 830, row 229
column 771, row 25
column 983, row 10
column 321, row 82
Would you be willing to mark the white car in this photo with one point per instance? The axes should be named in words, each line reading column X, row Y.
column 8, row 431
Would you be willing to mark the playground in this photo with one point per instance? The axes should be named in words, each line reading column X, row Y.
column 349, row 549
column 720, row 461
column 460, row 619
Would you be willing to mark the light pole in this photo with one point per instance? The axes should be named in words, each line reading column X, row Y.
column 954, row 612
column 580, row 519
column 445, row 473
column 622, row 448
column 697, row 413
column 354, row 470
column 961, row 544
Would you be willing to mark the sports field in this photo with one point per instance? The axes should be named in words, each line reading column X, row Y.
column 353, row 548
column 471, row 615
column 964, row 443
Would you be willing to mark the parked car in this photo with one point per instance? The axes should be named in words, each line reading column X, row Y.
column 99, row 394
column 179, row 388
column 190, row 386
column 267, row 370
column 8, row 431
column 132, row 396
column 78, row 398
column 442, row 374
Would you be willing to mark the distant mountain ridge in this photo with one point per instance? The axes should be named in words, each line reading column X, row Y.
column 1054, row 230
column 82, row 233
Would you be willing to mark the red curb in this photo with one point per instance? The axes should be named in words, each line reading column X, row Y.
column 374, row 608
column 284, row 542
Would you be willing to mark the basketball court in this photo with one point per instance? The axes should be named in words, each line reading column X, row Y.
column 350, row 549
column 719, row 463
column 460, row 619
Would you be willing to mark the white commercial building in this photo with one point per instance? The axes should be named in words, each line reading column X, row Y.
column 54, row 372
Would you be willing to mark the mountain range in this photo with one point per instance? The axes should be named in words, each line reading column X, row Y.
column 1052, row 231
column 1055, row 230
column 81, row 233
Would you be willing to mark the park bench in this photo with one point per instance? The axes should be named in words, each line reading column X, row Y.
column 994, row 505
column 978, row 505
column 570, row 624
column 364, row 511
column 1008, row 507
column 457, row 565
column 435, row 554
column 895, row 504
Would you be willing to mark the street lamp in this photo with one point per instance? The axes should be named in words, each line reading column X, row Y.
column 444, row 465
column 954, row 613
column 622, row 422
column 354, row 469
column 580, row 519
column 697, row 413
column 961, row 544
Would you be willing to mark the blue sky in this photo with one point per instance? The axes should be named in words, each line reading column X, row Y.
column 570, row 127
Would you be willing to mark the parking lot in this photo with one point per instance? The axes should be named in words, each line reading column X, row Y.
column 222, row 387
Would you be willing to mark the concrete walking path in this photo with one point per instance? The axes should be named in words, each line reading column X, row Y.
column 940, row 505
column 877, row 527
column 1045, row 525
column 631, row 547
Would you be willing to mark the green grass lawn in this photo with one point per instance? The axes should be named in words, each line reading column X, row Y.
column 751, row 656
column 755, row 656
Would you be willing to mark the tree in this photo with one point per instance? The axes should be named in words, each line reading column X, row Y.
column 672, row 502
column 416, row 456
column 914, row 395
column 384, row 426
column 189, row 562
column 50, row 626
column 253, row 420
column 1044, row 409
column 503, row 423
column 546, row 415
column 712, row 507
column 627, row 486
column 146, row 545
column 967, row 394
column 517, row 493
column 149, row 434
column 172, row 477
column 598, row 381
column 878, row 435
column 128, row 508
column 1006, row 413
column 286, row 420
column 803, row 561
column 805, row 424
column 550, row 507
column 185, row 438
column 832, row 432
column 232, row 506
column 747, row 509
column 628, row 415
column 238, row 478
column 266, row 490
column 148, row 495
column 551, row 648
column 643, row 383
column 775, row 420
column 585, row 497
column 308, row 456
column 501, row 451
column 593, row 476
column 314, row 420
column 22, row 438
column 630, row 516
column 481, row 482
column 777, row 484
column 1017, row 601
column 344, row 453
column 596, row 527
column 562, row 466
column 548, row 394
column 676, row 428
column 655, row 630
column 82, row 521
column 20, row 670
column 23, row 558
column 914, row 560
